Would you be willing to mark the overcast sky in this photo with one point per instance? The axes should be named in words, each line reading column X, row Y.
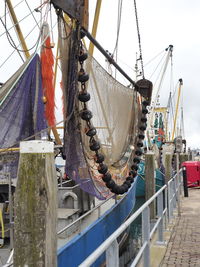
column 161, row 23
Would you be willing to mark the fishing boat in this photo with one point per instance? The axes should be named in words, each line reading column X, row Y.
column 165, row 119
column 98, row 143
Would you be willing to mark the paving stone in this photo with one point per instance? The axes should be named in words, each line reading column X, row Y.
column 183, row 249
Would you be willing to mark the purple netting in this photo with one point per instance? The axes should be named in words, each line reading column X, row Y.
column 76, row 166
column 22, row 111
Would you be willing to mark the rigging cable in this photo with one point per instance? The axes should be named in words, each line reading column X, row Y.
column 118, row 27
column 20, row 50
column 153, row 58
column 10, row 39
column 115, row 51
column 32, row 13
column 139, row 39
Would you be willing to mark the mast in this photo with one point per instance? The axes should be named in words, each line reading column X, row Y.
column 26, row 53
column 18, row 29
column 95, row 25
column 177, row 105
column 169, row 55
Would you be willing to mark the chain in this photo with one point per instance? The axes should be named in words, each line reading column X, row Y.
column 139, row 39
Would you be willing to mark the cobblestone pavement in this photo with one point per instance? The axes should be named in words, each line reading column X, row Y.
column 183, row 249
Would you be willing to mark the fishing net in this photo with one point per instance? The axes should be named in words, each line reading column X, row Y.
column 21, row 111
column 115, row 116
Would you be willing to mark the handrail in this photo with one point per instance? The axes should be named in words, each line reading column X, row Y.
column 108, row 243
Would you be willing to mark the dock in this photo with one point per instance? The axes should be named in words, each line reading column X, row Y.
column 183, row 245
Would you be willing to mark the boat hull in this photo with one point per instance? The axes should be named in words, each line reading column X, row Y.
column 82, row 245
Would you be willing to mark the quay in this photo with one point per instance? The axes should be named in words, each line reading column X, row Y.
column 183, row 245
column 173, row 237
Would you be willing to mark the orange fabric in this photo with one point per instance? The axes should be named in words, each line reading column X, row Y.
column 47, row 62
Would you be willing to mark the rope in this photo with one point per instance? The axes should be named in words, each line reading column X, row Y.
column 35, row 45
column 154, row 58
column 118, row 26
column 14, row 7
column 2, row 226
column 10, row 39
column 31, row 12
column 139, row 39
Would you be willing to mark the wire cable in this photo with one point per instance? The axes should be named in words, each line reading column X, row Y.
column 139, row 38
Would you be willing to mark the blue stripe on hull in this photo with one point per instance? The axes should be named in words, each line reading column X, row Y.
column 82, row 245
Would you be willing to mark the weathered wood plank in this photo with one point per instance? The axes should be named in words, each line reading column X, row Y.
column 168, row 167
column 150, row 180
column 36, row 206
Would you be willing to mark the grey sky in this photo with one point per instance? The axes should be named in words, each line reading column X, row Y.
column 162, row 23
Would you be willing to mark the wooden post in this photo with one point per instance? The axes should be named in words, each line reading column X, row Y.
column 168, row 167
column 183, row 157
column 150, row 181
column 36, row 206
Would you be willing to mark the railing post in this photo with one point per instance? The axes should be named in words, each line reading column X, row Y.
column 150, row 181
column 146, row 236
column 174, row 192
column 166, row 206
column 170, row 200
column 178, row 189
column 160, row 215
column 112, row 255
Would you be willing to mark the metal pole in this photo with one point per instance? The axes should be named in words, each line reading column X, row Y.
column 146, row 236
column 112, row 254
column 177, row 105
column 109, row 58
column 10, row 212
column 185, row 188
column 178, row 189
column 169, row 201
column 160, row 215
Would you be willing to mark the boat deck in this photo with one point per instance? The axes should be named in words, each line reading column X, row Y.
column 183, row 246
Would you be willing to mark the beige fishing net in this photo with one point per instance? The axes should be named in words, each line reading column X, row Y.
column 115, row 116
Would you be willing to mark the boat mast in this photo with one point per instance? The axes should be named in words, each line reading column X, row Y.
column 153, row 104
column 18, row 29
column 177, row 105
column 95, row 25
column 27, row 54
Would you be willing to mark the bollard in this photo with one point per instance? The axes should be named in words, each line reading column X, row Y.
column 35, row 235
column 185, row 188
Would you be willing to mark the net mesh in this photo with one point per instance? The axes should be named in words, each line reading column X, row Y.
column 115, row 115
column 21, row 110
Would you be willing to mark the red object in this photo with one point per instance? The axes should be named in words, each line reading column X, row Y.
column 192, row 172
column 47, row 62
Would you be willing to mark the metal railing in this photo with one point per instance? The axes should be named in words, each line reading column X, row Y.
column 78, row 220
column 167, row 199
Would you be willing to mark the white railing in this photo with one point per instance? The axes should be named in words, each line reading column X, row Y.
column 167, row 200
column 78, row 220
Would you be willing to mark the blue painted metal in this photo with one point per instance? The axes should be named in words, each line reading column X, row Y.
column 82, row 245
